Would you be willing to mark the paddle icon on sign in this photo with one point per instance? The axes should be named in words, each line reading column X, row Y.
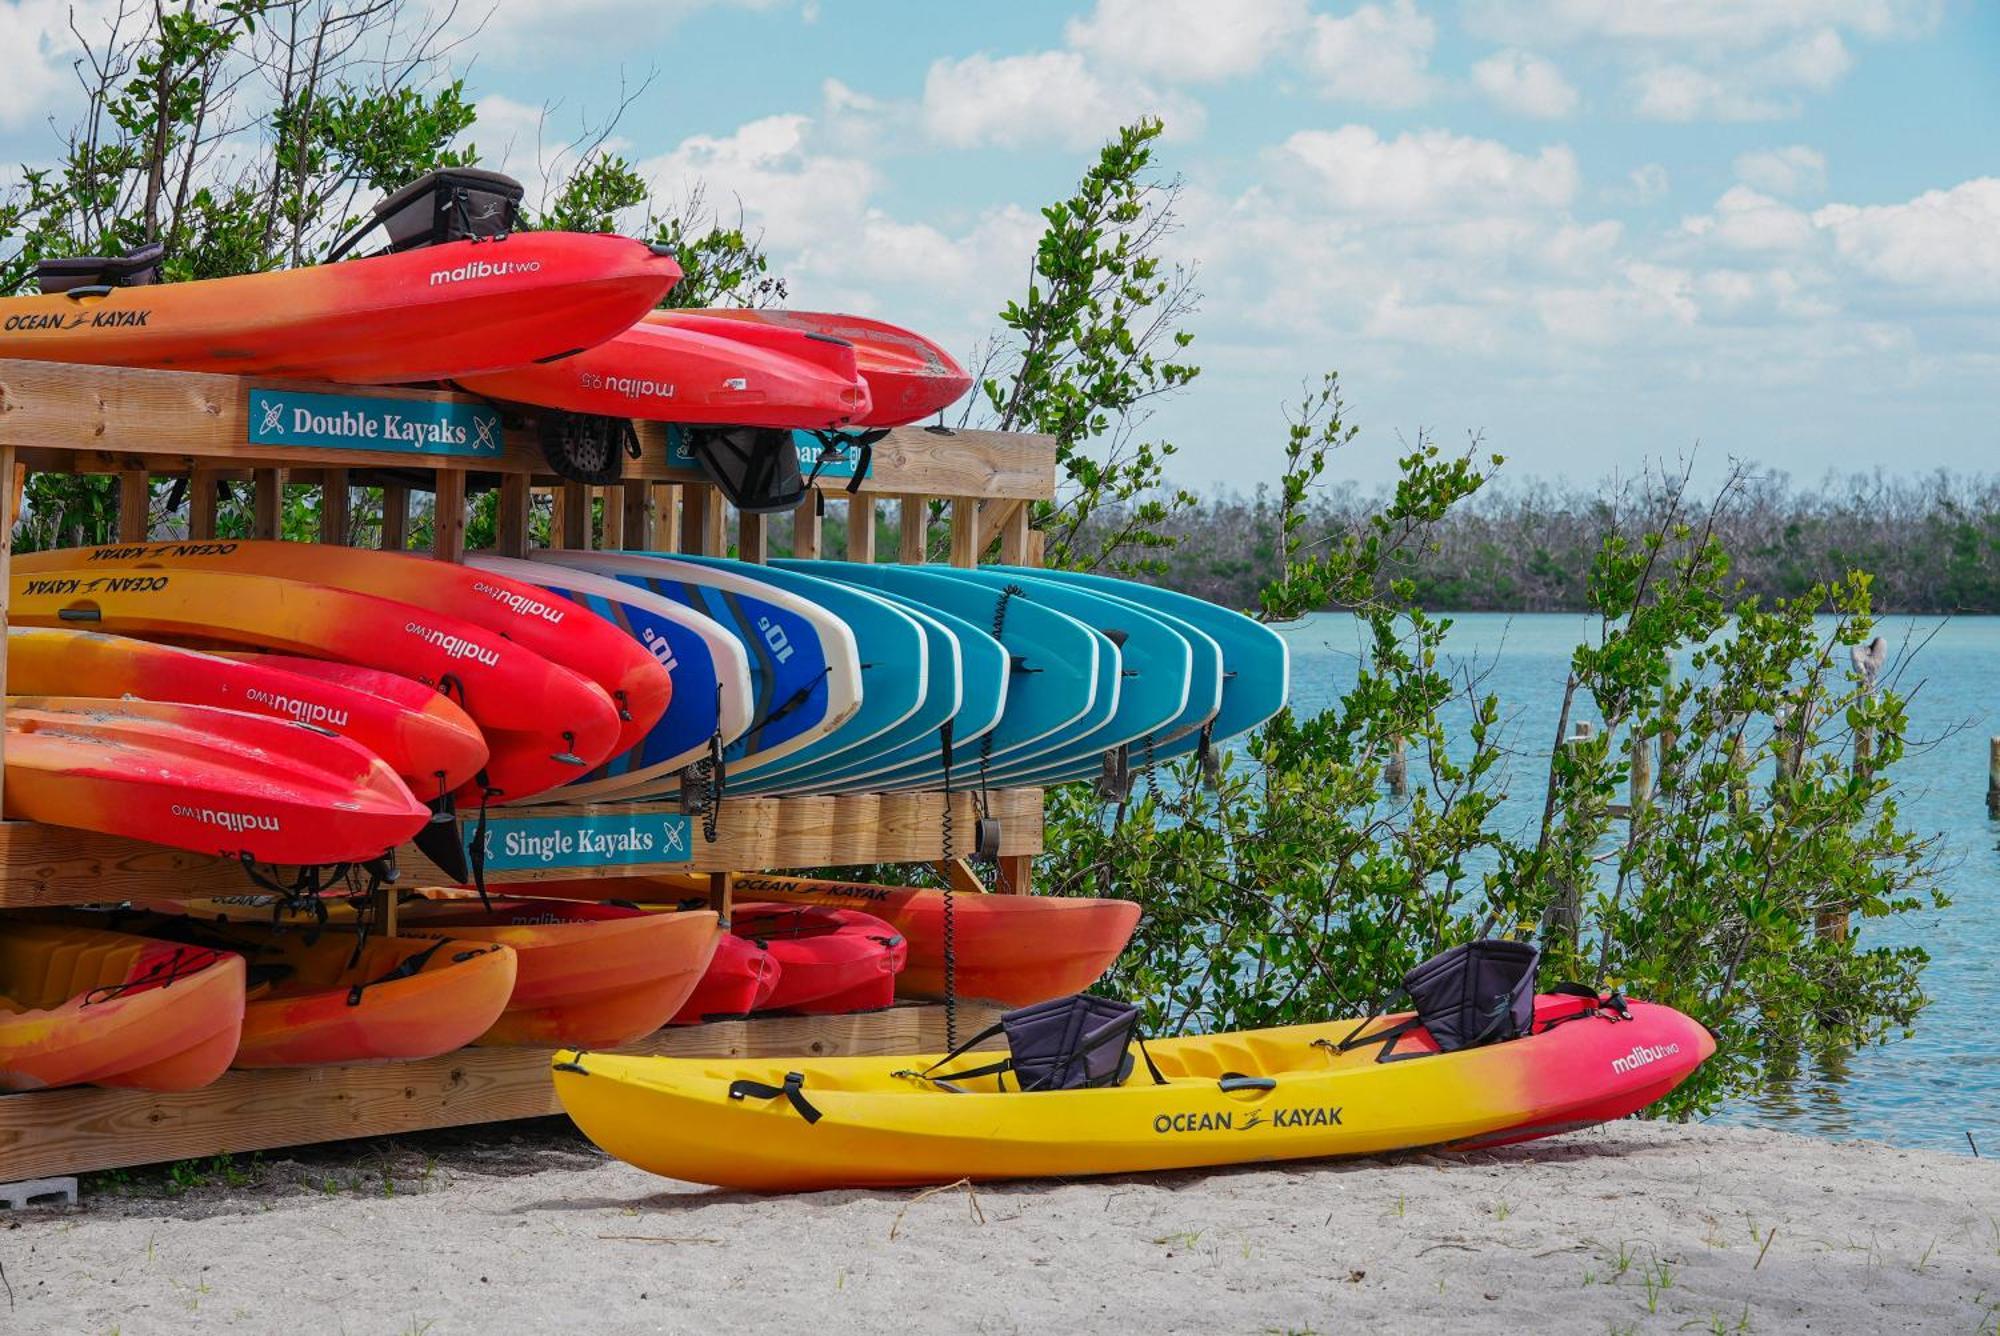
column 274, row 419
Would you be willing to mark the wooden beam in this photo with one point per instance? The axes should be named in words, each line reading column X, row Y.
column 333, row 499
column 135, row 506
column 84, row 1128
column 752, row 537
column 958, row 875
column 511, row 521
column 448, row 520
column 1016, row 874
column 201, row 504
column 806, row 528
column 395, row 518
column 916, row 460
column 966, row 542
column 861, row 528
column 636, row 501
column 1010, row 520
column 611, row 505
column 914, row 540
column 573, row 506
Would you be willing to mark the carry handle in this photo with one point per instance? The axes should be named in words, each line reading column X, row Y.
column 88, row 290
column 1234, row 1081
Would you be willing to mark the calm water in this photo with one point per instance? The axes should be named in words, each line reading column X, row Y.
column 1929, row 1090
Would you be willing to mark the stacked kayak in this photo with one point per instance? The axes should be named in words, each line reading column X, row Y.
column 1261, row 1095
column 829, row 960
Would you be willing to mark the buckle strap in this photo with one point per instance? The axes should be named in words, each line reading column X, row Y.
column 793, row 1091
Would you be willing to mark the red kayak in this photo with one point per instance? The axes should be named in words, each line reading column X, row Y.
column 431, row 314
column 1011, row 949
column 560, row 631
column 909, row 377
column 214, row 781
column 739, row 980
column 829, row 960
column 704, row 375
column 426, row 739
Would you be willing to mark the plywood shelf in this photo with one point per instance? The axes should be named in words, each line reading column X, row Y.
column 84, row 1128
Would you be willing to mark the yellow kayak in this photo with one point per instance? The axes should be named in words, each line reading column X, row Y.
column 1279, row 1094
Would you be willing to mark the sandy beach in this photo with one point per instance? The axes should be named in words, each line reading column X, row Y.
column 1636, row 1227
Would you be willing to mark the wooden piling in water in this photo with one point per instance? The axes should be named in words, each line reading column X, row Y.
column 1397, row 771
column 1993, row 778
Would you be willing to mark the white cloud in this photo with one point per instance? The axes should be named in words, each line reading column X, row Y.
column 37, row 37
column 1426, row 172
column 1378, row 55
column 1944, row 243
column 1737, row 24
column 1677, row 92
column 1046, row 96
column 1745, row 220
column 524, row 32
column 771, row 167
column 1525, row 84
column 1796, row 170
column 1187, row 40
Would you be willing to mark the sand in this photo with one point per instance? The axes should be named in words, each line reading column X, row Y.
column 1633, row 1228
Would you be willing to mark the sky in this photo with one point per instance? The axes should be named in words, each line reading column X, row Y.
column 1593, row 234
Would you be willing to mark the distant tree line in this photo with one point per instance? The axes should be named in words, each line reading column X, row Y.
column 1932, row 544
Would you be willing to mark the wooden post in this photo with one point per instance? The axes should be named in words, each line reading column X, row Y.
column 1016, row 874
column 1993, row 778
column 637, row 503
column 1642, row 774
column 1868, row 661
column 966, row 541
column 806, row 527
column 1014, row 536
column 135, row 506
column 861, row 528
column 333, row 500
column 958, row 875
column 915, row 538
column 10, row 509
column 752, row 542
column 201, row 504
column 573, row 505
column 448, row 520
column 721, row 893
column 1396, row 772
column 612, row 503
column 267, row 518
column 395, row 518
column 667, row 517
column 511, row 520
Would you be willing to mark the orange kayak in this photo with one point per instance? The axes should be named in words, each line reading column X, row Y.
column 430, row 314
column 547, row 624
column 1013, row 950
column 214, row 781
column 80, row 1005
column 561, row 723
column 424, row 736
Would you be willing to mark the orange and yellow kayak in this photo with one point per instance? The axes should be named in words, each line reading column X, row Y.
column 214, row 781
column 430, row 314
column 80, row 1005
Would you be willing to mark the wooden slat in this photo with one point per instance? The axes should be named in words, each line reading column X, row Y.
column 611, row 505
column 135, row 506
column 573, row 511
column 511, row 519
column 696, row 503
column 806, row 528
column 752, row 537
column 636, row 500
column 916, row 460
column 50, row 866
column 448, row 521
column 914, row 540
column 666, row 517
column 201, row 503
column 10, row 510
column 83, row 1128
column 333, row 500
column 267, row 516
column 966, row 540
column 1010, row 520
column 861, row 528
column 395, row 518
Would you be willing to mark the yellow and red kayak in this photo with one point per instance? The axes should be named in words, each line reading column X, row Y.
column 1260, row 1095
column 80, row 1005
column 317, row 996
column 909, row 377
column 430, row 314
column 423, row 735
column 558, row 723
column 214, row 781
column 562, row 632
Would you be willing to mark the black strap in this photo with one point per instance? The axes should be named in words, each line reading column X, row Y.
column 792, row 1090
column 410, row 965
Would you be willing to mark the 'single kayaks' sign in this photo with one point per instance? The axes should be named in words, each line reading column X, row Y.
column 623, row 840
column 358, row 422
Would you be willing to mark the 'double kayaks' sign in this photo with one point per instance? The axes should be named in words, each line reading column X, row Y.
column 514, row 844
column 813, row 454
column 359, row 422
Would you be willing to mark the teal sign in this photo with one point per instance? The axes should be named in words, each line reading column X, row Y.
column 517, row 843
column 357, row 422
column 812, row 450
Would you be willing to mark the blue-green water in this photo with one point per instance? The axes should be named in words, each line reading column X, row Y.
column 1928, row 1090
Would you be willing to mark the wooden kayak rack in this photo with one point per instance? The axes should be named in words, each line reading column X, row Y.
column 141, row 424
